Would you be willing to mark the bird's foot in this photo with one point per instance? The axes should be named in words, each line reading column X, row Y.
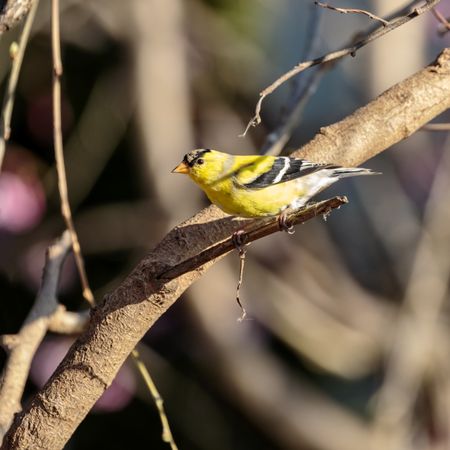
column 239, row 239
column 326, row 214
column 284, row 224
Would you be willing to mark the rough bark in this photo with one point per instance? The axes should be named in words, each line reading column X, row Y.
column 12, row 12
column 124, row 316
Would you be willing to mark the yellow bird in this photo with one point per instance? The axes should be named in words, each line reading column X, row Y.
column 258, row 186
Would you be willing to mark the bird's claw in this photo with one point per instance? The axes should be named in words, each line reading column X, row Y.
column 284, row 224
column 239, row 240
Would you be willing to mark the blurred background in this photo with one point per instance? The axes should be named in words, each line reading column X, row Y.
column 348, row 337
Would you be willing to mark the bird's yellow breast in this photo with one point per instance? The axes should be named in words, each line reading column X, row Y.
column 242, row 202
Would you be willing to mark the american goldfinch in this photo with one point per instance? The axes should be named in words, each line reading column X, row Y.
column 258, row 186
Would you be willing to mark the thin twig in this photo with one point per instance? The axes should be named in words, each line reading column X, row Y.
column 352, row 11
column 242, row 255
column 436, row 127
column 443, row 20
column 351, row 50
column 159, row 402
column 8, row 101
column 59, row 152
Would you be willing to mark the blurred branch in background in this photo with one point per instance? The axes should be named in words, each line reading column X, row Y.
column 166, row 432
column 303, row 87
column 284, row 405
column 426, row 293
column 436, row 127
column 161, row 72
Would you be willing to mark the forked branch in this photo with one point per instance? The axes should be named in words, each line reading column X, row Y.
column 23, row 345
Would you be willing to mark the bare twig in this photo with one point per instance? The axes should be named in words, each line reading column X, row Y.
column 352, row 11
column 255, row 229
column 159, row 402
column 242, row 255
column 351, row 50
column 23, row 346
column 8, row 101
column 59, row 153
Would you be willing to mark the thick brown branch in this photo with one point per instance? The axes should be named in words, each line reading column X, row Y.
column 120, row 321
column 24, row 345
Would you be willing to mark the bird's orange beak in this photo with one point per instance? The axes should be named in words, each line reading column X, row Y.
column 181, row 168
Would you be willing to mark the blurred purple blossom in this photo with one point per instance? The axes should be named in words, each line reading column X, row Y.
column 22, row 203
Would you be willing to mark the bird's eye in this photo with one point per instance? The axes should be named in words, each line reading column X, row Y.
column 200, row 161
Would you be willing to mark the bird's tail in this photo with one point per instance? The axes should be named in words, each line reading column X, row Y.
column 343, row 172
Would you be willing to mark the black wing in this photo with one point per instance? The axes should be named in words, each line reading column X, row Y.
column 286, row 169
